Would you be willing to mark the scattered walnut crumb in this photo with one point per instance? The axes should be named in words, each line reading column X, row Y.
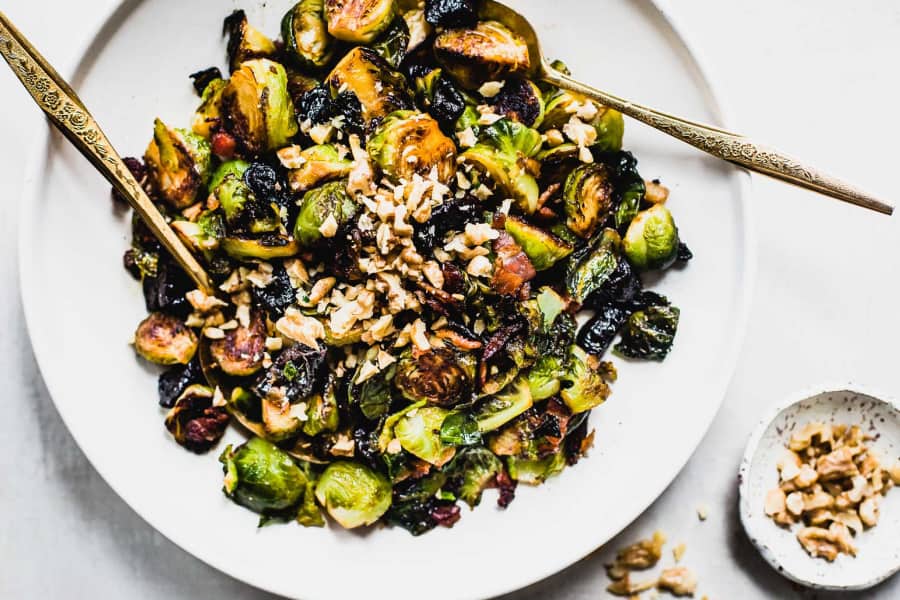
column 645, row 554
column 678, row 580
column 702, row 512
column 642, row 554
column 678, row 552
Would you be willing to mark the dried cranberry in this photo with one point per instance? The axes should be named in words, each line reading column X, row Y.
column 507, row 488
column 223, row 145
column 445, row 515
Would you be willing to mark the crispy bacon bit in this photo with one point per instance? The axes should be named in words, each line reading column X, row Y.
column 445, row 515
column 458, row 340
column 512, row 268
column 500, row 339
column 223, row 145
column 548, row 194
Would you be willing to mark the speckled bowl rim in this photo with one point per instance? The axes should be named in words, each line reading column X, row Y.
column 747, row 461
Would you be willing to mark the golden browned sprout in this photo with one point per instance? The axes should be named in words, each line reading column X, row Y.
column 165, row 340
column 678, row 580
column 240, row 352
column 487, row 52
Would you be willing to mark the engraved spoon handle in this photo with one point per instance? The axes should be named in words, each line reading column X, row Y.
column 66, row 111
column 728, row 146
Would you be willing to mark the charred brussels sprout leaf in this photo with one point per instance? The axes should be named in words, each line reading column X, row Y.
column 649, row 333
column 587, row 380
column 380, row 89
column 521, row 100
column 209, row 114
column 240, row 352
column 414, row 503
column 393, row 43
column 451, row 13
column 542, row 247
column 318, row 205
column 407, row 143
column 175, row 380
column 178, row 164
column 544, row 377
column 374, row 394
column 194, row 422
column 597, row 334
column 359, row 21
column 322, row 413
column 588, row 198
column 244, row 40
column 316, row 165
column 630, row 187
column 419, row 434
column 486, row 52
column 165, row 340
column 202, row 78
column 436, row 376
column 306, row 36
column 652, row 239
column 495, row 411
column 258, row 110
column 460, row 429
column 536, row 471
column 262, row 477
column 473, row 470
column 353, row 494
column 266, row 246
column 590, row 272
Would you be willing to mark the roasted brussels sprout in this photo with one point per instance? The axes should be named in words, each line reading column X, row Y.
column 321, row 413
column 317, row 165
column 393, row 43
column 208, row 115
column 380, row 89
column 305, row 33
column 419, row 434
column 244, row 40
column 407, row 143
column 588, row 198
column 201, row 235
column 263, row 247
column 240, row 352
column 591, row 271
column 460, row 429
column 608, row 123
column 536, row 471
column 281, row 420
column 373, row 396
column 437, row 376
column 330, row 201
column 353, row 494
column 243, row 209
column 262, row 477
column 175, row 380
column 652, row 239
column 542, row 247
column 451, row 13
column 165, row 340
column 649, row 333
column 587, row 380
column 544, row 377
column 495, row 411
column 610, row 127
column 486, row 52
column 178, row 164
column 257, row 108
column 359, row 21
column 472, row 470
column 521, row 100
column 194, row 422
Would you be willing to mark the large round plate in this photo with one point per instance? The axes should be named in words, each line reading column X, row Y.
column 81, row 308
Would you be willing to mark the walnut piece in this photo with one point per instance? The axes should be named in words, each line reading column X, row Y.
column 680, row 581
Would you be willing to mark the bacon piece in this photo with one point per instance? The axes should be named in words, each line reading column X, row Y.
column 512, row 268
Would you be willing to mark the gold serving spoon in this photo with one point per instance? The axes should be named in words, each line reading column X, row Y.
column 718, row 142
column 66, row 111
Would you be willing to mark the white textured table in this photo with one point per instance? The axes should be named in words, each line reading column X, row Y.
column 816, row 77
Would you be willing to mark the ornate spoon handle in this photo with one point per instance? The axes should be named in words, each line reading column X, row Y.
column 729, row 146
column 66, row 111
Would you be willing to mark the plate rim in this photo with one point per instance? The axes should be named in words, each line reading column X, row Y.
column 40, row 156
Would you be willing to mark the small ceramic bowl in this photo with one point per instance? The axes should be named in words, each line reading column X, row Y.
column 878, row 554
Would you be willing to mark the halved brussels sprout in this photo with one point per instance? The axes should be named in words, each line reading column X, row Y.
column 178, row 164
column 588, row 274
column 521, row 100
column 353, row 494
column 495, row 411
column 437, row 376
column 419, row 434
column 262, row 477
column 607, row 122
column 542, row 247
column 209, row 114
column 243, row 210
column 257, row 108
column 487, row 52
column 204, row 234
column 588, row 198
column 264, row 247
column 649, row 333
column 194, row 422
column 305, row 34
column 359, row 21
column 281, row 419
column 380, row 89
column 244, row 40
column 587, row 378
column 544, row 377
column 393, row 44
column 472, row 470
column 318, row 164
column 551, row 305
column 536, row 471
column 329, row 200
column 651, row 241
column 165, row 340
column 240, row 352
column 407, row 143
column 321, row 413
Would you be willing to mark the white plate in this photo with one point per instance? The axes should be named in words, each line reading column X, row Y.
column 82, row 307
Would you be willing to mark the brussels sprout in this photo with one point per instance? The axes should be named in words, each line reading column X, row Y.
column 321, row 413
column 557, row 163
column 209, row 114
column 513, row 139
column 437, row 376
column 353, row 494
column 263, row 247
column 649, row 333
column 374, row 394
column 329, row 200
column 262, row 477
column 243, row 210
column 240, row 352
column 651, row 241
column 419, row 434
column 178, row 164
column 536, row 471
column 542, row 247
column 608, row 123
column 380, row 89
column 592, row 271
column 245, row 41
column 257, row 108
column 473, row 470
column 460, row 429
column 521, row 100
column 309, row 513
column 194, row 422
column 281, row 419
column 588, row 198
column 318, row 165
column 544, row 376
column 610, row 127
column 305, row 34
column 359, row 21
column 495, row 411
column 551, row 305
column 407, row 143
column 393, row 43
column 165, row 340
column 204, row 234
column 587, row 378
column 415, row 503
column 486, row 52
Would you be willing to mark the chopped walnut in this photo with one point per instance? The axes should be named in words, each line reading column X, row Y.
column 836, row 465
column 643, row 554
column 818, row 543
column 624, row 586
column 678, row 580
column 656, row 193
column 775, row 502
